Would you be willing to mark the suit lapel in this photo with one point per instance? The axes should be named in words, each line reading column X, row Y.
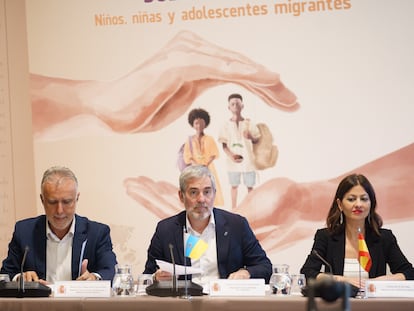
column 179, row 239
column 222, row 240
column 374, row 249
column 338, row 253
column 40, row 248
column 81, row 229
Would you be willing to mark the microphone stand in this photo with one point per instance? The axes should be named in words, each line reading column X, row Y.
column 174, row 276
column 325, row 262
column 21, row 290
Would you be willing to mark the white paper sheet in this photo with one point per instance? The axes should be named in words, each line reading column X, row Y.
column 179, row 270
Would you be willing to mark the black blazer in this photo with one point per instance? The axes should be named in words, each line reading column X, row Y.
column 237, row 246
column 383, row 249
column 32, row 233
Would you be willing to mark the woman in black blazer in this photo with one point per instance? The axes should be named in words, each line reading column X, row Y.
column 353, row 212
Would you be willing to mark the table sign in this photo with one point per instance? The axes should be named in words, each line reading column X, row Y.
column 389, row 289
column 82, row 289
column 249, row 287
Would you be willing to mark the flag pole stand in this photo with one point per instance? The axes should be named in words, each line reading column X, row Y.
column 361, row 291
column 186, row 294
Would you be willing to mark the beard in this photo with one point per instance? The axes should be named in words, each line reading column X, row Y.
column 200, row 212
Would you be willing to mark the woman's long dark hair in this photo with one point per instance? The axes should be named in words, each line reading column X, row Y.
column 373, row 220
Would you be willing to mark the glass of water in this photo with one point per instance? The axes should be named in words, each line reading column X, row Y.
column 298, row 281
column 280, row 281
column 123, row 282
column 4, row 278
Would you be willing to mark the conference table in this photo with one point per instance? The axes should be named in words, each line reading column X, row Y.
column 204, row 303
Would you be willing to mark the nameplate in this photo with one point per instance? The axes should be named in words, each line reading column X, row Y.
column 82, row 289
column 389, row 289
column 249, row 287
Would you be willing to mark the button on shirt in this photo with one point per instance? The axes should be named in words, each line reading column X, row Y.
column 208, row 261
column 59, row 255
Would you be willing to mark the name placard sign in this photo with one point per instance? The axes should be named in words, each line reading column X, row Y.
column 249, row 287
column 389, row 289
column 82, row 289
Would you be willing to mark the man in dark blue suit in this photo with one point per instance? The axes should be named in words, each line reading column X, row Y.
column 60, row 245
column 233, row 251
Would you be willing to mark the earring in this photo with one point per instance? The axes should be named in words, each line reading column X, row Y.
column 369, row 218
column 341, row 218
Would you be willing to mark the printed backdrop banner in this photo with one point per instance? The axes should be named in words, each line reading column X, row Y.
column 113, row 81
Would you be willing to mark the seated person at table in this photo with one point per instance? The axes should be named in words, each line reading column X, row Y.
column 61, row 245
column 233, row 251
column 353, row 210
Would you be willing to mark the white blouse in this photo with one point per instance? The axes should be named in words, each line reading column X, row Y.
column 352, row 269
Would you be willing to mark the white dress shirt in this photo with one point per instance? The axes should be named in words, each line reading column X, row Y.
column 208, row 261
column 59, row 255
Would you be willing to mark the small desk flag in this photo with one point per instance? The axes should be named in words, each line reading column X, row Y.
column 194, row 247
column 363, row 253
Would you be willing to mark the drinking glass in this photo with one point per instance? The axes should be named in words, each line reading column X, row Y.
column 280, row 281
column 143, row 281
column 298, row 281
column 123, row 282
column 4, row 278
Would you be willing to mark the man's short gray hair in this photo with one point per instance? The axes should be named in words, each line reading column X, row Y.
column 195, row 171
column 56, row 173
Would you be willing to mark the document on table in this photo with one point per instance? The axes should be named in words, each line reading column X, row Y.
column 179, row 269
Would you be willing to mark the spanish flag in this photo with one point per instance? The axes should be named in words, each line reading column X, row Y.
column 363, row 253
column 194, row 247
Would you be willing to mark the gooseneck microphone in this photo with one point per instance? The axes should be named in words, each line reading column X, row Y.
column 20, row 288
column 325, row 262
column 21, row 278
column 174, row 277
column 328, row 288
column 179, row 288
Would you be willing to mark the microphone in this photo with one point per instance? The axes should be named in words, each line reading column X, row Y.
column 327, row 288
column 326, row 263
column 21, row 288
column 174, row 277
column 21, row 278
column 181, row 288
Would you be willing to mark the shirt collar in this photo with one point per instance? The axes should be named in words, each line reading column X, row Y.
column 211, row 223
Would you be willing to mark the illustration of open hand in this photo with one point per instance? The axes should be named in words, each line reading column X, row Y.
column 155, row 93
column 282, row 211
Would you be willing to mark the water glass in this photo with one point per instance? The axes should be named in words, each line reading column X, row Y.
column 144, row 280
column 298, row 281
column 280, row 281
column 4, row 278
column 123, row 282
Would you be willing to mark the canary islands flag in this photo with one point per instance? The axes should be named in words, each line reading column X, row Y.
column 363, row 253
column 194, row 247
